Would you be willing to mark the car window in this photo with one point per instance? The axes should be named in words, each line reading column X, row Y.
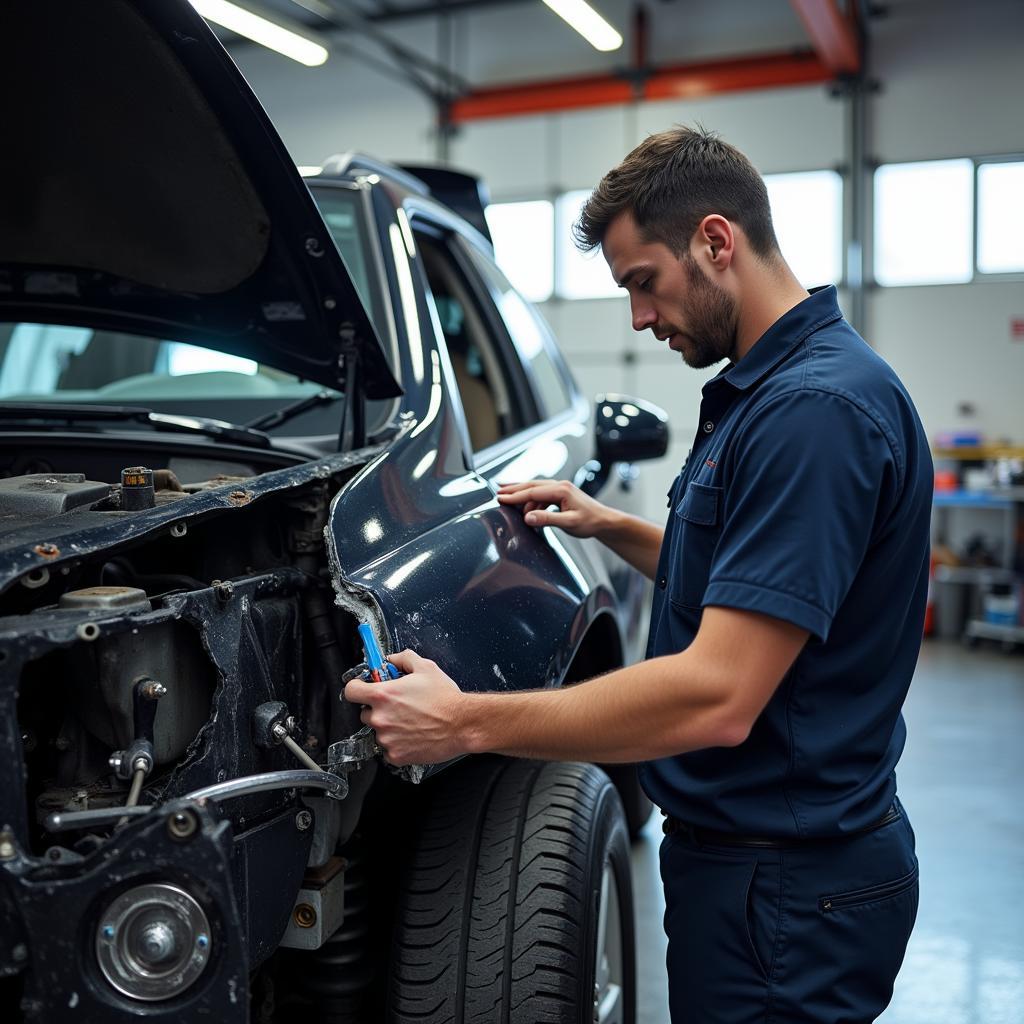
column 531, row 337
column 342, row 210
column 486, row 386
column 59, row 363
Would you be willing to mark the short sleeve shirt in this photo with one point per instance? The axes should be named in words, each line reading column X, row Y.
column 806, row 497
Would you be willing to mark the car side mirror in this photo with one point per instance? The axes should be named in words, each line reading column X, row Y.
column 629, row 429
column 625, row 430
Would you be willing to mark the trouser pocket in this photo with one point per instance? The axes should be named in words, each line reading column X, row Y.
column 870, row 894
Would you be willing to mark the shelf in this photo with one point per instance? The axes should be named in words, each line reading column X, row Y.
column 975, row 453
column 1000, row 498
column 973, row 574
column 994, row 631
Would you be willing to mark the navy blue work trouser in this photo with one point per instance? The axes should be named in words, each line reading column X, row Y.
column 808, row 934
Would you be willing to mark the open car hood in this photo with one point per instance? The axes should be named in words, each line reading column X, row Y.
column 146, row 191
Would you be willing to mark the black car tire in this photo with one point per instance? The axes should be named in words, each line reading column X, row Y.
column 500, row 915
column 635, row 802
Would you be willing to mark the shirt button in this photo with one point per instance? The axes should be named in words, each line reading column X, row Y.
column 708, row 427
column 663, row 582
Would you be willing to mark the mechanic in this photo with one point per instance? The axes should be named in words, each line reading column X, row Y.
column 790, row 588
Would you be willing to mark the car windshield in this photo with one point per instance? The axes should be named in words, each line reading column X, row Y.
column 83, row 365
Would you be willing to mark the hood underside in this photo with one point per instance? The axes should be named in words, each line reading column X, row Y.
column 145, row 190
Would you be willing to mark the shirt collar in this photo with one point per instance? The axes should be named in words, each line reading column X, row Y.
column 821, row 307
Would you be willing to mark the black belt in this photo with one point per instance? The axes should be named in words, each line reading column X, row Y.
column 672, row 826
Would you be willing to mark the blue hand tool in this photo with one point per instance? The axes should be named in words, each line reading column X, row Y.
column 379, row 668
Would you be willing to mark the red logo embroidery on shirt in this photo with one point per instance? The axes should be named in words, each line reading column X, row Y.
column 710, row 463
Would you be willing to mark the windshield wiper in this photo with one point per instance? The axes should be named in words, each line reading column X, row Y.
column 288, row 412
column 70, row 413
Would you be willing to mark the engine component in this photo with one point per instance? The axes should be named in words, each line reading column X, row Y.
column 119, row 659
column 273, row 725
column 41, row 495
column 319, row 907
column 137, row 491
column 335, row 786
column 136, row 762
column 338, row 976
column 153, row 942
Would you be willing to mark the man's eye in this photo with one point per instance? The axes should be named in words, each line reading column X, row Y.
column 645, row 284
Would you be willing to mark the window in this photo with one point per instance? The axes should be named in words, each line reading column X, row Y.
column 807, row 211
column 1001, row 218
column 342, row 210
column 924, row 217
column 484, row 386
column 579, row 275
column 531, row 337
column 523, row 236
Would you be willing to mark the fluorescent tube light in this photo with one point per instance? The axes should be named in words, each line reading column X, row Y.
column 578, row 14
column 262, row 31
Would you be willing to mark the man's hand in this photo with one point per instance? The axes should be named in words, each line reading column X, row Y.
column 577, row 514
column 416, row 717
column 632, row 538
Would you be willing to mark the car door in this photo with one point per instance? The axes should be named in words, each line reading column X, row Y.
column 563, row 450
column 447, row 570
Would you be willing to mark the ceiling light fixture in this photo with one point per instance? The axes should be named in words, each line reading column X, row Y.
column 578, row 14
column 260, row 30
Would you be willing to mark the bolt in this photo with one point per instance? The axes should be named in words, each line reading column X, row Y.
column 115, row 761
column 182, row 825
column 303, row 820
column 202, row 941
column 305, row 915
column 108, row 931
column 179, row 529
column 157, row 943
column 329, row 303
column 20, row 953
column 8, row 851
column 153, row 690
column 47, row 550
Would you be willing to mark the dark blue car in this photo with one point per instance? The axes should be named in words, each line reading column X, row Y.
column 242, row 414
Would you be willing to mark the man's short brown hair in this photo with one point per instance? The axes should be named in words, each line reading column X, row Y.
column 670, row 183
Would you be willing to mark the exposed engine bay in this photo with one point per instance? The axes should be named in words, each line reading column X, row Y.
column 172, row 654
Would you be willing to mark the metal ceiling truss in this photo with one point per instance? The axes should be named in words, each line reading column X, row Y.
column 835, row 34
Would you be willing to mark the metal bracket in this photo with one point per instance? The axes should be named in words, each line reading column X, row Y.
column 352, row 752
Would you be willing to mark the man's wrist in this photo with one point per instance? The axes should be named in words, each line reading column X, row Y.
column 469, row 724
column 613, row 525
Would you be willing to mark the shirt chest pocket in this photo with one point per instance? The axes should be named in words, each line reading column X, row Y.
column 697, row 526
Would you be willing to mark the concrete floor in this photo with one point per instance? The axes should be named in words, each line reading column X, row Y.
column 962, row 781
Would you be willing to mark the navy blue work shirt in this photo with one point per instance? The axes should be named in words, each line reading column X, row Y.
column 806, row 497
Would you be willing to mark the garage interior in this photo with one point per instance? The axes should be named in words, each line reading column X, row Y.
column 832, row 102
column 891, row 137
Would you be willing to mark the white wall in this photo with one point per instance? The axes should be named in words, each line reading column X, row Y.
column 951, row 78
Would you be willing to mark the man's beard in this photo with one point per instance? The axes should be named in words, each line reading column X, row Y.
column 711, row 317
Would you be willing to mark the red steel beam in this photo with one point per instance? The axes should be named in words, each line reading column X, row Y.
column 833, row 34
column 684, row 80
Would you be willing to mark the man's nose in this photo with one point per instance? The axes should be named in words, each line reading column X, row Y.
column 644, row 315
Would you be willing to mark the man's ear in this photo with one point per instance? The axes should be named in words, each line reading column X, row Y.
column 716, row 241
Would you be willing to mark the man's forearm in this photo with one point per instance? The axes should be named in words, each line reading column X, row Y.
column 654, row 709
column 634, row 539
